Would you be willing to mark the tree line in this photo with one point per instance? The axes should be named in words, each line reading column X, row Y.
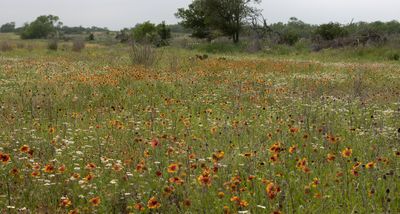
column 210, row 19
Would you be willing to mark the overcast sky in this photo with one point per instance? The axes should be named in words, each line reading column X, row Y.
column 117, row 14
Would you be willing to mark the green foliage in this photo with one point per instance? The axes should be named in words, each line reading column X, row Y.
column 393, row 55
column 290, row 38
column 42, row 27
column 8, row 27
column 124, row 35
column 221, row 47
column 225, row 16
column 91, row 37
column 145, row 32
column 148, row 32
column 194, row 18
column 331, row 31
column 163, row 31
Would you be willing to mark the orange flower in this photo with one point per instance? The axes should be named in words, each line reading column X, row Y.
column 14, row 171
column 52, row 130
column 205, row 178
column 168, row 190
column 226, row 210
column 292, row 149
column 274, row 158
column 176, row 180
column 272, row 190
column 315, row 182
column 65, row 202
column 24, row 149
column 48, row 168
column 74, row 211
column 117, row 167
column 5, row 158
column 153, row 203
column 35, row 173
column 91, row 166
column 187, row 203
column 139, row 207
column 276, row 148
column 332, row 139
column 370, row 165
column 61, row 169
column 294, row 130
column 88, row 177
column 217, row 156
column 347, row 152
column 235, row 199
column 303, row 165
column 172, row 168
column 95, row 201
column 154, row 143
column 330, row 157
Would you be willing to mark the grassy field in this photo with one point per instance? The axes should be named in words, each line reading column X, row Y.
column 91, row 133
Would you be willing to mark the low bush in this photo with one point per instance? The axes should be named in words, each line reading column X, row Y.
column 52, row 45
column 78, row 45
column 6, row 46
column 143, row 54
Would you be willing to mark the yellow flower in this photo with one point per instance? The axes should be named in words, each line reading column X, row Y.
column 347, row 152
column 172, row 168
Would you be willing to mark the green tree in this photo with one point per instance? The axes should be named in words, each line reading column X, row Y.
column 8, row 27
column 331, row 31
column 164, row 32
column 227, row 16
column 42, row 27
column 194, row 17
column 145, row 32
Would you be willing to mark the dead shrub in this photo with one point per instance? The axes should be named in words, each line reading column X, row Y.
column 143, row 54
column 78, row 45
column 52, row 45
column 6, row 46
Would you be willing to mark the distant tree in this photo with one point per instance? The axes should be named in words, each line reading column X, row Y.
column 164, row 32
column 194, row 17
column 289, row 37
column 8, row 27
column 42, row 27
column 331, row 31
column 125, row 35
column 145, row 32
column 91, row 37
column 227, row 16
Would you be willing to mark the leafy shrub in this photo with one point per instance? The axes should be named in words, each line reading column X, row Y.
column 289, row 38
column 145, row 33
column 78, row 45
column 330, row 31
column 91, row 37
column 394, row 56
column 42, row 27
column 52, row 45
